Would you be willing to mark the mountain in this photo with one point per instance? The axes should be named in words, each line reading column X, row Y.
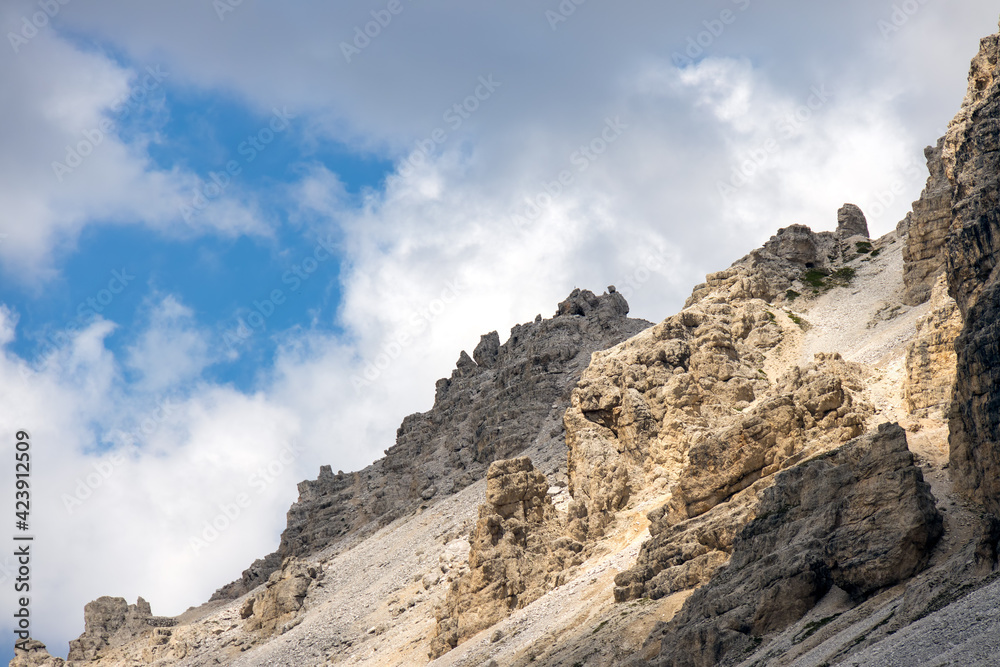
column 802, row 467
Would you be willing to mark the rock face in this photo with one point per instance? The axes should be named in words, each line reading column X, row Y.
column 929, row 223
column 640, row 405
column 268, row 612
column 860, row 518
column 33, row 653
column 110, row 622
column 972, row 162
column 851, row 222
column 931, row 359
column 785, row 260
column 671, row 408
column 495, row 404
column 518, row 553
column 769, row 271
column 810, row 410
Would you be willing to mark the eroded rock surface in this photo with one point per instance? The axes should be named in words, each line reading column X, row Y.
column 275, row 606
column 851, row 222
column 931, row 359
column 641, row 405
column 519, row 551
column 860, row 518
column 33, row 653
column 810, row 410
column 925, row 254
column 972, row 158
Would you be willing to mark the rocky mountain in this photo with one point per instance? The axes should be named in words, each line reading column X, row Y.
column 799, row 468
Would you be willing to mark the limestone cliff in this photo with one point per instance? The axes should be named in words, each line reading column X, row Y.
column 928, row 226
column 972, row 159
column 519, row 552
column 823, row 524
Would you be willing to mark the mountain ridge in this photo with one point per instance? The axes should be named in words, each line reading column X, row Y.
column 799, row 468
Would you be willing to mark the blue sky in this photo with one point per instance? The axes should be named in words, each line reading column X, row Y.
column 284, row 215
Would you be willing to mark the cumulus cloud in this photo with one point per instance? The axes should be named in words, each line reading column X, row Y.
column 171, row 350
column 65, row 165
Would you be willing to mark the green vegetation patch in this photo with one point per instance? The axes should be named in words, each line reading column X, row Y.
column 843, row 276
column 864, row 247
column 812, row 627
column 816, row 278
column 798, row 320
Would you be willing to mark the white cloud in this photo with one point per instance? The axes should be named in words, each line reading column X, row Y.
column 171, row 350
column 64, row 167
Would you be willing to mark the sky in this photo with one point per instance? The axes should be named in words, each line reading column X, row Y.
column 241, row 239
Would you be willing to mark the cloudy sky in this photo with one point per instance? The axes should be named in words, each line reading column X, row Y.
column 218, row 218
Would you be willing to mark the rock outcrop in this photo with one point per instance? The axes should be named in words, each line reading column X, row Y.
column 860, row 518
column 640, row 405
column 795, row 258
column 851, row 222
column 810, row 410
column 496, row 403
column 925, row 253
column 110, row 622
column 33, row 653
column 931, row 359
column 972, row 162
column 518, row 553
column 276, row 606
